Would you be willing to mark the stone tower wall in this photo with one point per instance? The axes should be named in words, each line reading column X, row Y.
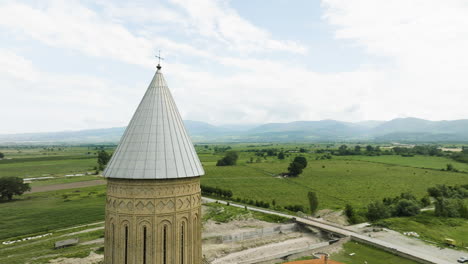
column 153, row 221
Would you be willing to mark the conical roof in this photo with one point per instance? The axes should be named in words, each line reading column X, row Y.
column 155, row 144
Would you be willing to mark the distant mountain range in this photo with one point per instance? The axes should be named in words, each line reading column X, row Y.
column 407, row 130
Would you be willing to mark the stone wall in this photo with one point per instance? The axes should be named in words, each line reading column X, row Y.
column 257, row 233
column 153, row 221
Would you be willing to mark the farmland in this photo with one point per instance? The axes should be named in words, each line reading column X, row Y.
column 356, row 180
column 336, row 181
column 42, row 212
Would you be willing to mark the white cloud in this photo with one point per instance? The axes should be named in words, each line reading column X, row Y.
column 33, row 100
column 422, row 43
column 215, row 19
column 425, row 41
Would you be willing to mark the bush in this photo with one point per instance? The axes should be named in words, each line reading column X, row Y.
column 426, row 201
column 215, row 191
column 294, row 208
column 313, row 202
column 376, row 211
column 229, row 159
column 406, row 207
column 351, row 214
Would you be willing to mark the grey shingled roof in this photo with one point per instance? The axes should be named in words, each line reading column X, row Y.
column 155, row 144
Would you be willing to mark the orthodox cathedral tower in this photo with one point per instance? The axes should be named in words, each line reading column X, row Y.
column 153, row 187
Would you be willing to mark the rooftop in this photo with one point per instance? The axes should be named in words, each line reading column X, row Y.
column 155, row 144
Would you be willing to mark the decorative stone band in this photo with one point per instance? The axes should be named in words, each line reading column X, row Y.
column 153, row 221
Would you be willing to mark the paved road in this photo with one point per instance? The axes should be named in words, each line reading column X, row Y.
column 429, row 254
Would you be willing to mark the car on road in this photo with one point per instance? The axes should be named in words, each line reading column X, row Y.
column 462, row 260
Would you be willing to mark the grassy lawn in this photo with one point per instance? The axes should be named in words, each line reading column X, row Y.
column 370, row 254
column 41, row 212
column 431, row 228
column 416, row 161
column 336, row 182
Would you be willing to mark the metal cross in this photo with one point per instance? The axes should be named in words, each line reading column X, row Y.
column 159, row 57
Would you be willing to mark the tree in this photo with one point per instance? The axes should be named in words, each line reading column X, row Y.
column 229, row 159
column 281, row 155
column 450, row 167
column 102, row 159
column 426, row 201
column 343, row 150
column 313, row 202
column 377, row 210
column 369, row 148
column 301, row 160
column 2, row 155
column 10, row 186
column 357, row 148
column 406, row 207
column 295, row 168
column 349, row 212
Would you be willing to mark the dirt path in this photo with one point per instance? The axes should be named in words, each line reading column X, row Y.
column 63, row 186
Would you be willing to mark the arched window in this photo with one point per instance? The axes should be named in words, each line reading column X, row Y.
column 126, row 245
column 195, row 237
column 182, row 243
column 144, row 244
column 165, row 244
column 112, row 243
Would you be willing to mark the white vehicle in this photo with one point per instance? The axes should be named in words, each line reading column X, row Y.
column 462, row 259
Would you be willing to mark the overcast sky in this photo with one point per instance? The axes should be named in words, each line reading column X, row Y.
column 70, row 65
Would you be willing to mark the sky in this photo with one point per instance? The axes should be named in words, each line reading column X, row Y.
column 74, row 65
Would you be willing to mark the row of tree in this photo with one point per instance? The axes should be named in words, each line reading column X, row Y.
column 449, row 201
column 215, row 191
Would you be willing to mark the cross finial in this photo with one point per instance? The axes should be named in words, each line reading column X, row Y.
column 159, row 60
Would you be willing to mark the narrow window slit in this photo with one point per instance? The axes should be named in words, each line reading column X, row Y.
column 126, row 245
column 165, row 245
column 144, row 245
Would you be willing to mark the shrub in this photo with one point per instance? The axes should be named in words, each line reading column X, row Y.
column 229, row 159
column 377, row 210
column 313, row 202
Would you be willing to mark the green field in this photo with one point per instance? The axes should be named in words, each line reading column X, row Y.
column 60, row 180
column 431, row 228
column 46, row 166
column 336, row 181
column 418, row 161
column 42, row 250
column 370, row 254
column 42, row 212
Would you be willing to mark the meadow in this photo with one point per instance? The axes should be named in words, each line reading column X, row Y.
column 418, row 161
column 336, row 181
